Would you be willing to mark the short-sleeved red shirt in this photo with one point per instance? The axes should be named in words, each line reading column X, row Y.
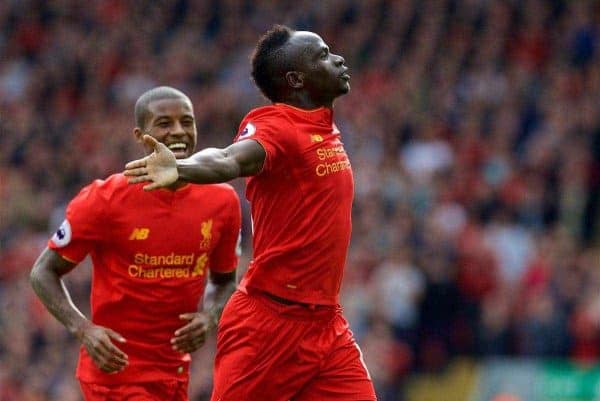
column 301, row 204
column 151, row 253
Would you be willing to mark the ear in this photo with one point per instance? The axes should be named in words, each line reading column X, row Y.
column 137, row 132
column 295, row 79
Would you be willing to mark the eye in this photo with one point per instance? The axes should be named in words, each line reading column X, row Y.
column 187, row 123
column 164, row 124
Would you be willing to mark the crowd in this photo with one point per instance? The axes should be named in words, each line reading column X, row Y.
column 473, row 130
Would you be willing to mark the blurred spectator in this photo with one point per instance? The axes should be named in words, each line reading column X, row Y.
column 397, row 287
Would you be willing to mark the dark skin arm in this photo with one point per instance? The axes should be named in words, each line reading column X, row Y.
column 210, row 165
column 46, row 280
column 192, row 336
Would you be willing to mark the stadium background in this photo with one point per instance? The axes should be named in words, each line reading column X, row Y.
column 473, row 127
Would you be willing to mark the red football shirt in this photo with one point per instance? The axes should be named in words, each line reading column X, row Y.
column 301, row 203
column 151, row 252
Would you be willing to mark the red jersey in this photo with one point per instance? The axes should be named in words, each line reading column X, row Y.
column 301, row 204
column 151, row 252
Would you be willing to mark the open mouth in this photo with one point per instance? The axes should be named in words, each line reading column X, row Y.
column 345, row 76
column 178, row 147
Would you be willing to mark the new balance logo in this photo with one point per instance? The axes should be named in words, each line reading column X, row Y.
column 316, row 138
column 139, row 234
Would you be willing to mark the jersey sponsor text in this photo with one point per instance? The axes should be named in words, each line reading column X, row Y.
column 168, row 266
column 327, row 168
column 162, row 260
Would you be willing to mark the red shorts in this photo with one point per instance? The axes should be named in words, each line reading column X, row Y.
column 152, row 391
column 268, row 351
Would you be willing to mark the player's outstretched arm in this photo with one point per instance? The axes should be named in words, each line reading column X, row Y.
column 210, row 165
column 45, row 278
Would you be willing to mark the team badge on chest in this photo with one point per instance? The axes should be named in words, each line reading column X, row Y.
column 206, row 231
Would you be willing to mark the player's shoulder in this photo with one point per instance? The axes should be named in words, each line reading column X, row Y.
column 270, row 112
column 106, row 188
column 268, row 120
column 111, row 183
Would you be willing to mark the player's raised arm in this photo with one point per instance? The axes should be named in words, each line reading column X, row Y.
column 210, row 165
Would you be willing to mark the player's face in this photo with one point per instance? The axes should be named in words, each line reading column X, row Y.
column 325, row 73
column 172, row 123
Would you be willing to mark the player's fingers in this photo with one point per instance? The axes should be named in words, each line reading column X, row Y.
column 187, row 316
column 192, row 325
column 114, row 335
column 116, row 354
column 141, row 178
column 117, row 364
column 115, row 361
column 104, row 348
column 191, row 345
column 192, row 329
column 136, row 163
column 103, row 355
column 150, row 141
column 133, row 172
column 110, row 367
column 196, row 335
column 188, row 328
column 107, row 363
column 180, row 340
column 152, row 186
column 103, row 365
column 190, row 349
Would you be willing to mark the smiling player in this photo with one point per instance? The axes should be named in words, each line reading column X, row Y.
column 153, row 254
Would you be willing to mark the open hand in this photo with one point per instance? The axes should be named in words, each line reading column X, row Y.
column 192, row 336
column 160, row 167
column 97, row 342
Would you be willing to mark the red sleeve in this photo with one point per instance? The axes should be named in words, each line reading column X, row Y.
column 225, row 255
column 273, row 131
column 83, row 226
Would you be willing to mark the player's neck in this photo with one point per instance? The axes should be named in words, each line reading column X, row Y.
column 303, row 101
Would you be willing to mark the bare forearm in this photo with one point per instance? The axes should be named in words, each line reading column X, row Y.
column 54, row 295
column 210, row 165
column 216, row 296
column 241, row 159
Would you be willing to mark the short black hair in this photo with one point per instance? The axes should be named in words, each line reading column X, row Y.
column 269, row 61
column 159, row 93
